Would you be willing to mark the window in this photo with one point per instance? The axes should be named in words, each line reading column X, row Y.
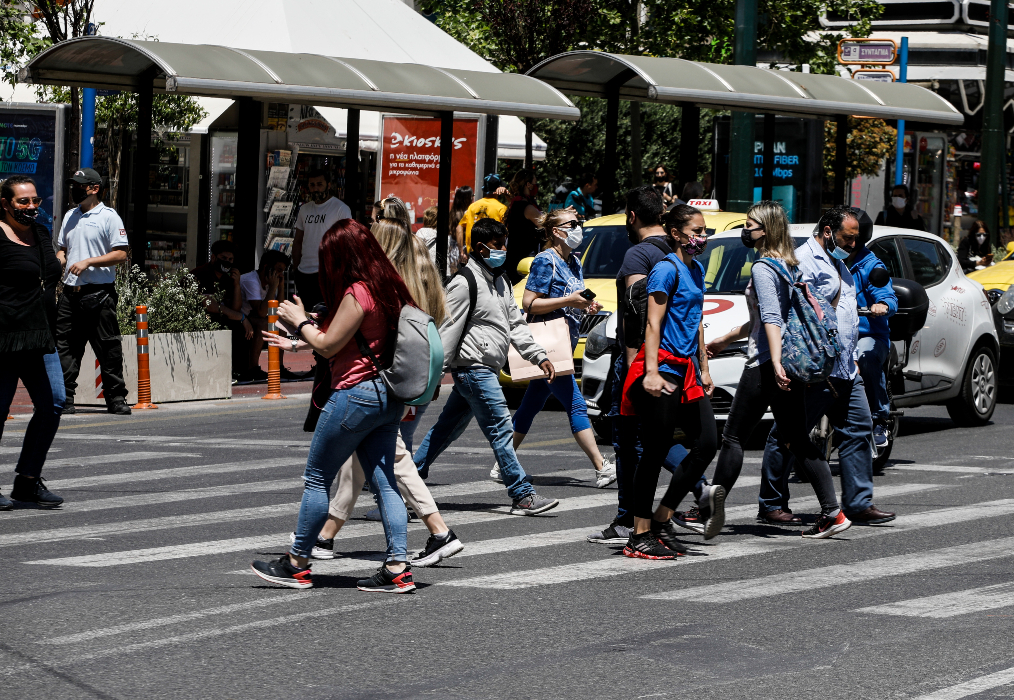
column 929, row 267
column 886, row 250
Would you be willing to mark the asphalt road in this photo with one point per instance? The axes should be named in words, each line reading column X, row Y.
column 140, row 588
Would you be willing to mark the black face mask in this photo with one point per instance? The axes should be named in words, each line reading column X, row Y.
column 25, row 217
column 78, row 194
column 318, row 197
column 746, row 235
column 225, row 266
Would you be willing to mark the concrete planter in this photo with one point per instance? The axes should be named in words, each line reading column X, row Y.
column 184, row 367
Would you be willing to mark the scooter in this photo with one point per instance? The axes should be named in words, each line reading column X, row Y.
column 913, row 305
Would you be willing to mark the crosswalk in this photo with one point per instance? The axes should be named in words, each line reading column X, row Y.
column 181, row 503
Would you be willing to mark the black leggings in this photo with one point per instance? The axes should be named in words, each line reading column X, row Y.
column 659, row 418
column 756, row 391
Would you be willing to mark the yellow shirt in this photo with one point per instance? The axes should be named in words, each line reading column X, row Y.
column 485, row 208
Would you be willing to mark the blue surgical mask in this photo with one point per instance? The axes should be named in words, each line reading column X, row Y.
column 839, row 253
column 496, row 258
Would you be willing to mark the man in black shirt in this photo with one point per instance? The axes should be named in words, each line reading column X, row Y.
column 900, row 214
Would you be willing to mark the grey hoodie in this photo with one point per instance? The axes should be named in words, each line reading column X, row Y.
column 495, row 324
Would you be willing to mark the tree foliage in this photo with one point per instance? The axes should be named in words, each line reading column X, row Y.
column 870, row 141
column 174, row 300
column 788, row 32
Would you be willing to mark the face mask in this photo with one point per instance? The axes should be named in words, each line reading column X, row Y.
column 981, row 237
column 496, row 258
column 25, row 217
column 898, row 202
column 746, row 236
column 318, row 197
column 574, row 238
column 78, row 194
column 695, row 246
column 838, row 252
column 226, row 267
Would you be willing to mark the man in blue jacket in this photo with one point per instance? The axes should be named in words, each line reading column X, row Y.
column 874, row 334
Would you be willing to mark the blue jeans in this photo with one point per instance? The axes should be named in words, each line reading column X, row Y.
column 565, row 390
column 849, row 414
column 872, row 355
column 364, row 420
column 42, row 376
column 627, row 446
column 408, row 428
column 477, row 392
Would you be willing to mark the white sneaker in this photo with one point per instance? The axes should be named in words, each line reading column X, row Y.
column 494, row 473
column 606, row 475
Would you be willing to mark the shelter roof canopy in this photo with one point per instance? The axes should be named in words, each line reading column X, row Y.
column 220, row 71
column 674, row 80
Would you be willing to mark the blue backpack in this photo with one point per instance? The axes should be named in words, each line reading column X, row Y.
column 810, row 346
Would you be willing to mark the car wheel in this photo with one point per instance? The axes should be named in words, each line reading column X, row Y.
column 976, row 401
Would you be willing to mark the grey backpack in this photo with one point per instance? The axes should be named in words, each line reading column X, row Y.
column 417, row 357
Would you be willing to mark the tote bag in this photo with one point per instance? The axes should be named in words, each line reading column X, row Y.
column 554, row 337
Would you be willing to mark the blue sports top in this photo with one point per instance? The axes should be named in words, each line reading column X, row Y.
column 686, row 303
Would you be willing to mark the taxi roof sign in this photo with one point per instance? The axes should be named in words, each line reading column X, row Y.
column 705, row 204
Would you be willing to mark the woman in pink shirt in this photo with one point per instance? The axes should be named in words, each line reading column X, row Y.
column 364, row 294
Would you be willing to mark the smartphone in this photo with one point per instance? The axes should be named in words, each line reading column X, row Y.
column 588, row 294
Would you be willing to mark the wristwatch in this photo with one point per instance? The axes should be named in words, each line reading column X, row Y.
column 294, row 340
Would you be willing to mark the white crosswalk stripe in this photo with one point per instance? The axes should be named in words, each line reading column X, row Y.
column 949, row 604
column 117, row 458
column 176, row 473
column 972, row 687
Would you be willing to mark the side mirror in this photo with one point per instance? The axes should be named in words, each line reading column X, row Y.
column 524, row 266
column 879, row 277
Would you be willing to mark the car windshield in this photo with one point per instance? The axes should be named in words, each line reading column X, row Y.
column 727, row 263
column 726, row 260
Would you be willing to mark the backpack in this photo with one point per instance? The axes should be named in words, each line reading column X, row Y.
column 635, row 306
column 473, row 295
column 810, row 347
column 417, row 357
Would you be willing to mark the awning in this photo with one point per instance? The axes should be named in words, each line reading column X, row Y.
column 220, row 71
column 510, row 136
column 746, row 88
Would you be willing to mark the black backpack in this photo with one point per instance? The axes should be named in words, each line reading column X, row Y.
column 635, row 302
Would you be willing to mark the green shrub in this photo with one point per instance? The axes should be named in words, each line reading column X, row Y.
column 174, row 300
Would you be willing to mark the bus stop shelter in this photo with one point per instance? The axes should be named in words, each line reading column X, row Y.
column 693, row 85
column 250, row 77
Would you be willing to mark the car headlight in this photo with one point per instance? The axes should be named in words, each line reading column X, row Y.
column 597, row 343
column 1006, row 302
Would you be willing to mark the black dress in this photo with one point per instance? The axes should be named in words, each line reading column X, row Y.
column 28, row 279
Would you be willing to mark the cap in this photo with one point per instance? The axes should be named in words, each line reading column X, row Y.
column 86, row 176
column 491, row 182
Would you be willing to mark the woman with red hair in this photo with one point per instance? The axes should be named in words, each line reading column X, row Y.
column 364, row 294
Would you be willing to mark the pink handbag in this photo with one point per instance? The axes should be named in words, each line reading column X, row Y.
column 554, row 337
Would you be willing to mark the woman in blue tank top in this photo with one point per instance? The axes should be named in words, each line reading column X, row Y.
column 675, row 388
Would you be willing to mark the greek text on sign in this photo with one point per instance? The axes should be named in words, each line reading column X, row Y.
column 867, row 51
column 876, row 76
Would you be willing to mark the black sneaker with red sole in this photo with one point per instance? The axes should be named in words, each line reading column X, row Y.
column 690, row 520
column 827, row 526
column 281, row 572
column 647, row 546
column 386, row 581
column 666, row 534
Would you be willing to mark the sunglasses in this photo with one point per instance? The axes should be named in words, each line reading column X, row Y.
column 569, row 225
column 25, row 201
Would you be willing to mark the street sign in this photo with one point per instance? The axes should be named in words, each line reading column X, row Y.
column 867, row 51
column 878, row 75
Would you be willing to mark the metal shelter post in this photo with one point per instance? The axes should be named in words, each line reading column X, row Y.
column 841, row 160
column 899, row 163
column 768, row 172
column 247, row 173
column 609, row 162
column 138, row 237
column 741, row 138
column 490, row 147
column 444, row 190
column 993, row 143
column 690, row 128
column 353, row 188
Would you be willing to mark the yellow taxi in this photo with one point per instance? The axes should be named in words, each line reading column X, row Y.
column 999, row 276
column 601, row 253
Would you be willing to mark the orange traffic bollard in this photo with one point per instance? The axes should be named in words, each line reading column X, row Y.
column 274, row 362
column 143, row 372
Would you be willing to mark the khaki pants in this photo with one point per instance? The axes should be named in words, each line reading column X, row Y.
column 351, row 479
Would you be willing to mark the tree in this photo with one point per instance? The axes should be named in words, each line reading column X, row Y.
column 170, row 113
column 22, row 38
column 515, row 35
column 870, row 141
column 697, row 30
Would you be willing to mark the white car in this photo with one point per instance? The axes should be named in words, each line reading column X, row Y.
column 951, row 360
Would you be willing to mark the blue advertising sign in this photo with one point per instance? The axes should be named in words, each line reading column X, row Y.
column 28, row 147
